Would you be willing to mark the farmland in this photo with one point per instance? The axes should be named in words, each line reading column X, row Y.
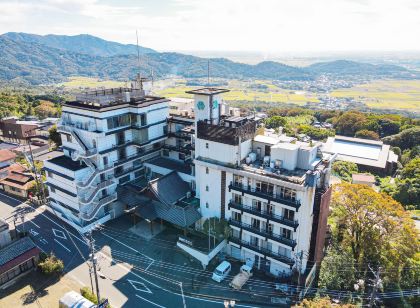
column 385, row 94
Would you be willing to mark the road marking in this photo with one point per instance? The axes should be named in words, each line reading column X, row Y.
column 33, row 232
column 34, row 224
column 62, row 245
column 150, row 302
column 125, row 245
column 151, row 263
column 59, row 233
column 43, row 241
column 139, row 286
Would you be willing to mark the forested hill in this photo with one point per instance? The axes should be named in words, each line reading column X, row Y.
column 35, row 60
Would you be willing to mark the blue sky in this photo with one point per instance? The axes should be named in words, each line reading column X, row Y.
column 231, row 25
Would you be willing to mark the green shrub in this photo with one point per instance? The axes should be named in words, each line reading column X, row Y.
column 87, row 293
column 51, row 264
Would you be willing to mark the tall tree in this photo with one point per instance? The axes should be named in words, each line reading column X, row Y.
column 374, row 229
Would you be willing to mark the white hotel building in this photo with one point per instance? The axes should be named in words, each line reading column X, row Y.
column 272, row 190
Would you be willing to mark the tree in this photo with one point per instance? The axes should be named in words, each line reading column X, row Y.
column 366, row 134
column 50, row 264
column 407, row 190
column 54, row 135
column 46, row 109
column 344, row 169
column 332, row 276
column 374, row 229
column 406, row 139
column 388, row 127
column 275, row 122
column 322, row 302
column 350, row 122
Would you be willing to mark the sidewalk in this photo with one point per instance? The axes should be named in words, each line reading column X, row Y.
column 37, row 290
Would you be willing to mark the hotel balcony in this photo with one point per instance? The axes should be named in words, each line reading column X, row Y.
column 265, row 195
column 259, row 249
column 265, row 233
column 264, row 214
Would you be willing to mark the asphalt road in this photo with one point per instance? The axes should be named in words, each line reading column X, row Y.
column 127, row 276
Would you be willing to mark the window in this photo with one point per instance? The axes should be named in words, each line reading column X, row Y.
column 289, row 214
column 287, row 233
column 237, row 180
column 236, row 216
column 207, row 205
column 284, row 251
column 118, row 121
column 255, row 223
column 165, row 129
column 207, row 170
column 235, row 233
column 52, row 189
column 165, row 153
column 105, row 159
column 254, row 241
column 237, row 198
column 181, row 156
column 207, row 188
column 68, row 138
column 49, row 173
column 207, row 145
column 256, row 205
column 143, row 119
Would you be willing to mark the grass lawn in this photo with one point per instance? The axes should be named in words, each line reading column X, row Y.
column 37, row 290
column 391, row 94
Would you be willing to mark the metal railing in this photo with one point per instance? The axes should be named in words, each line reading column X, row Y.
column 97, row 206
column 268, row 252
column 265, row 233
column 265, row 195
column 265, row 214
column 95, row 191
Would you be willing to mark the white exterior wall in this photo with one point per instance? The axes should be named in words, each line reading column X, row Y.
column 212, row 180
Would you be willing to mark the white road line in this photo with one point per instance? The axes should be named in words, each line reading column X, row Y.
column 34, row 224
column 151, row 263
column 150, row 302
column 211, row 301
column 55, row 240
column 125, row 245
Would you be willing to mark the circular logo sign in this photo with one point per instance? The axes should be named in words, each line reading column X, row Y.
column 200, row 105
column 215, row 104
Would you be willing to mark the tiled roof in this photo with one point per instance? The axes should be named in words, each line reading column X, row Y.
column 6, row 155
column 169, row 188
column 15, row 249
column 171, row 164
column 363, row 177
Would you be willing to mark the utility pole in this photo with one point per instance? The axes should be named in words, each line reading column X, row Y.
column 376, row 284
column 93, row 260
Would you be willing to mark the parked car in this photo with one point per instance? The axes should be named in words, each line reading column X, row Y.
column 240, row 279
column 221, row 271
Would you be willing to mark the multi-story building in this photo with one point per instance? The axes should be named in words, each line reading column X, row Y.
column 273, row 191
column 107, row 135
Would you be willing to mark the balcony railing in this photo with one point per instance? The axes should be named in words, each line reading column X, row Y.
column 89, row 215
column 267, row 252
column 265, row 214
column 265, row 195
column 265, row 233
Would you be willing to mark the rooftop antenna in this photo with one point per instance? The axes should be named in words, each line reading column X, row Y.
column 208, row 72
column 138, row 62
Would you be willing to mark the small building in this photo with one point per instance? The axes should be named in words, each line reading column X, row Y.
column 363, row 178
column 369, row 155
column 16, row 259
column 13, row 130
column 15, row 179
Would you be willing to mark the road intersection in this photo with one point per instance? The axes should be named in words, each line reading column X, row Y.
column 128, row 277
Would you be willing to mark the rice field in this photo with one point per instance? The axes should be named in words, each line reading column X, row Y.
column 388, row 94
column 89, row 82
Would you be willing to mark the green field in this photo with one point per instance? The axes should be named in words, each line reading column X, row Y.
column 89, row 82
column 240, row 91
column 387, row 94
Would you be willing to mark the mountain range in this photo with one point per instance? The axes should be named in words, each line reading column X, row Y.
column 37, row 59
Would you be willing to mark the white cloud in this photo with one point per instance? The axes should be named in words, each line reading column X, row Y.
column 265, row 25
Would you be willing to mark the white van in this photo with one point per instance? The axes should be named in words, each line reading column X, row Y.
column 221, row 271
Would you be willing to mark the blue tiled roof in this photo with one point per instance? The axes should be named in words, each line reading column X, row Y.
column 15, row 249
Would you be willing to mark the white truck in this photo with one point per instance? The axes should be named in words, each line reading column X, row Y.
column 240, row 279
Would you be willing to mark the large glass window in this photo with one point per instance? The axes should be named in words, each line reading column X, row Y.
column 236, row 216
column 237, row 198
column 118, row 121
